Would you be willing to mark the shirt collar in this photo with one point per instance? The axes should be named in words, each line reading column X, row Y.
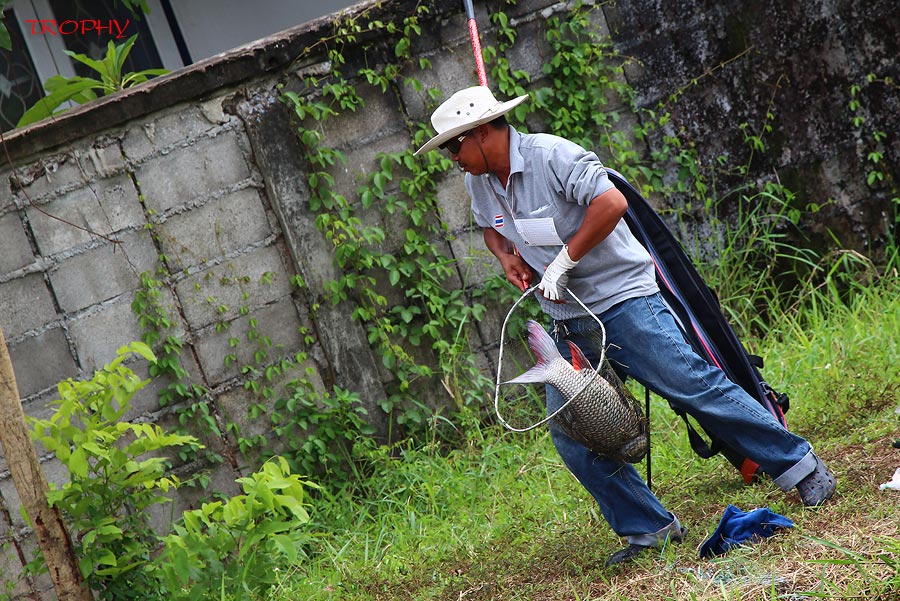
column 516, row 162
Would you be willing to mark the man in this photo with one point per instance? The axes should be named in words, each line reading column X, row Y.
column 547, row 208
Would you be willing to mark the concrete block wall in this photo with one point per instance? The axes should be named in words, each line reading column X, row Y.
column 78, row 226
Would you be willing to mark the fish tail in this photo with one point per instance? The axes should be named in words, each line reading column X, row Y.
column 544, row 348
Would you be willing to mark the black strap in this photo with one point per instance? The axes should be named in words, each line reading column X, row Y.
column 701, row 447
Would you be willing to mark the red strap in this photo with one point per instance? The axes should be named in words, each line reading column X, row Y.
column 748, row 470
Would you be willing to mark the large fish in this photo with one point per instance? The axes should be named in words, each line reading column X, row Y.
column 605, row 417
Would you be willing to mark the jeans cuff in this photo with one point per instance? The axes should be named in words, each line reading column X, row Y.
column 673, row 531
column 797, row 472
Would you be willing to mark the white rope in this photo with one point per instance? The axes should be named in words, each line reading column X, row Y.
column 500, row 364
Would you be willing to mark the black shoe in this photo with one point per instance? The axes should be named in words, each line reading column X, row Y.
column 817, row 487
column 626, row 555
column 633, row 550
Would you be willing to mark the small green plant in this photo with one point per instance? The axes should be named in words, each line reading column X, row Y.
column 112, row 484
column 156, row 331
column 320, row 429
column 80, row 89
column 234, row 548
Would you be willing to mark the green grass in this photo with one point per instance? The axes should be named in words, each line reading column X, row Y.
column 500, row 517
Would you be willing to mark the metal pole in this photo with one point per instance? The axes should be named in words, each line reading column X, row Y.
column 649, row 447
column 476, row 43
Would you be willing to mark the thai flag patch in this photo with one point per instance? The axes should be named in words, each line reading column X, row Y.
column 498, row 220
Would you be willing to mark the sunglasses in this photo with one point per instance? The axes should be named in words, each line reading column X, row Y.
column 454, row 144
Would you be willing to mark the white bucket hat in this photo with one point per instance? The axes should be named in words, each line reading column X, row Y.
column 465, row 110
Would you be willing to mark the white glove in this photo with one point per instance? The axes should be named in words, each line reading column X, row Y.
column 556, row 275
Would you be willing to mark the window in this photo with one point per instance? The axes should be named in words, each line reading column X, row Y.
column 19, row 84
column 39, row 53
column 142, row 56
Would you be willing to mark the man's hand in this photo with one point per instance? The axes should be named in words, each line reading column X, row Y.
column 517, row 271
column 556, row 275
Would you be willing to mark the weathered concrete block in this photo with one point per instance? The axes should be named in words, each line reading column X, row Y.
column 103, row 273
column 222, row 480
column 175, row 128
column 7, row 198
column 455, row 71
column 234, row 406
column 54, row 471
column 454, row 203
column 474, row 261
column 50, row 175
column 13, row 580
column 102, row 159
column 361, row 160
column 219, row 293
column 15, row 251
column 146, row 400
column 215, row 229
column 530, row 53
column 26, row 303
column 5, row 534
column 42, row 583
column 42, row 361
column 278, row 321
column 377, row 118
column 11, row 500
column 98, row 335
column 104, row 207
column 524, row 8
column 200, row 169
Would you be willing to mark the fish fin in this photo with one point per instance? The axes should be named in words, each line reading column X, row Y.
column 544, row 349
column 535, row 375
column 579, row 361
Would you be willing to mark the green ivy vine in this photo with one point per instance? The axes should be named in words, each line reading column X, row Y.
column 401, row 285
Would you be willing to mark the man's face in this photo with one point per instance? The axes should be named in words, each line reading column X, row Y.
column 465, row 150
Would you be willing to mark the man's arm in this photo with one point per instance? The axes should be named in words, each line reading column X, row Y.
column 516, row 269
column 601, row 218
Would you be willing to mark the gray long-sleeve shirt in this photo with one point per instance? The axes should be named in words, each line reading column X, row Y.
column 551, row 177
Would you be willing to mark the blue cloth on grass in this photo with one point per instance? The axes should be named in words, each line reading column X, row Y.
column 737, row 527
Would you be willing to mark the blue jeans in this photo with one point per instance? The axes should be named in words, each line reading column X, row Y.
column 645, row 343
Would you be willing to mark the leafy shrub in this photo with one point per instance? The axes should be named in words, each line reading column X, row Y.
column 234, row 547
column 111, row 487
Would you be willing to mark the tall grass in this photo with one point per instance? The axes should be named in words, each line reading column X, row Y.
column 750, row 251
column 499, row 517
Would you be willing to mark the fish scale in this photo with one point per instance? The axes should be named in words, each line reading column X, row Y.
column 604, row 417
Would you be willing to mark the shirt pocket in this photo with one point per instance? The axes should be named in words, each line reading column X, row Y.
column 548, row 210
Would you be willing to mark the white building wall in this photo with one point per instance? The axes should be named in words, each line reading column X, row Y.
column 213, row 26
